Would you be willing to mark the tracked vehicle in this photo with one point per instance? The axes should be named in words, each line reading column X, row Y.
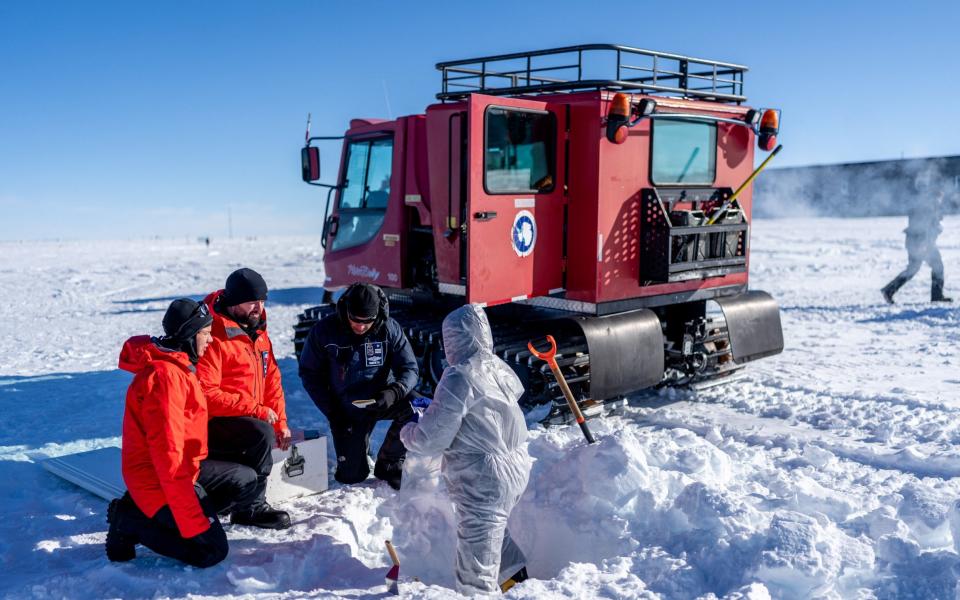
column 600, row 193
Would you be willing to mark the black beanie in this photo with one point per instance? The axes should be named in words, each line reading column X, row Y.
column 244, row 285
column 363, row 301
column 184, row 318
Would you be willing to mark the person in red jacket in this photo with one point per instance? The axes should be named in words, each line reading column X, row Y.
column 241, row 381
column 174, row 492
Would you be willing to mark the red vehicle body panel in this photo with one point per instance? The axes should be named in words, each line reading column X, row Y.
column 435, row 185
column 416, row 195
column 443, row 157
column 496, row 272
column 623, row 171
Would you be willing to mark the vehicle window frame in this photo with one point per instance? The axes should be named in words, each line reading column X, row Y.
column 366, row 171
column 653, row 141
column 363, row 210
column 552, row 154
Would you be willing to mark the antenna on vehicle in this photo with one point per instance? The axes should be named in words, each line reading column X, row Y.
column 386, row 96
column 306, row 136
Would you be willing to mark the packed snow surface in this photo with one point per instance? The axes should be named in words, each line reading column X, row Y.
column 831, row 470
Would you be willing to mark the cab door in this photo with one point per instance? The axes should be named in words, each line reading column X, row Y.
column 364, row 233
column 515, row 200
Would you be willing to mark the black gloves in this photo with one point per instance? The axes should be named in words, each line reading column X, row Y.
column 388, row 396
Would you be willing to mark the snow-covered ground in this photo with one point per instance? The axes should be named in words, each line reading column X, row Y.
column 831, row 470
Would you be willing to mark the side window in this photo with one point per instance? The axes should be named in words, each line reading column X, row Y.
column 378, row 175
column 352, row 195
column 684, row 152
column 519, row 154
column 366, row 190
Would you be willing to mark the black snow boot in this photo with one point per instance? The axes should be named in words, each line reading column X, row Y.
column 390, row 471
column 891, row 288
column 121, row 543
column 936, row 291
column 262, row 516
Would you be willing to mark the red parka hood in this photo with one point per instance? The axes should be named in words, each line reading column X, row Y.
column 142, row 349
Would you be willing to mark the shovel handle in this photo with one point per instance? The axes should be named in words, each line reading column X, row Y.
column 586, row 432
column 393, row 554
column 551, row 357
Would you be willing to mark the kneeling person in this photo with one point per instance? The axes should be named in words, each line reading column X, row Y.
column 241, row 381
column 360, row 353
column 174, row 494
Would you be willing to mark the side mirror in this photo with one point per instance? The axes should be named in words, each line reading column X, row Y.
column 310, row 163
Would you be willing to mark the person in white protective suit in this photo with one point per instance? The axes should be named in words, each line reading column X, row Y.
column 475, row 421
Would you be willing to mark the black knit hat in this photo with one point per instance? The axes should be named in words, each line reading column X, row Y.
column 184, row 318
column 363, row 301
column 244, row 285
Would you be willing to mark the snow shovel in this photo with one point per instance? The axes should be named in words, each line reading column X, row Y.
column 550, row 356
column 723, row 207
column 394, row 573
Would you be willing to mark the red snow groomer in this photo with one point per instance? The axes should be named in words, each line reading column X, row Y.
column 598, row 193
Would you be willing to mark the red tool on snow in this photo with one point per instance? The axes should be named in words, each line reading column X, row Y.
column 551, row 357
column 394, row 573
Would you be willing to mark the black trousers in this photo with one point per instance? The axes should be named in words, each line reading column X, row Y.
column 221, row 488
column 244, row 441
column 351, row 440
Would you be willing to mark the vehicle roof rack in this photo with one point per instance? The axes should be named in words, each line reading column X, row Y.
column 571, row 69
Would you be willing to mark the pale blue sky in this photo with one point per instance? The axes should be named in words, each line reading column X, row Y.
column 133, row 119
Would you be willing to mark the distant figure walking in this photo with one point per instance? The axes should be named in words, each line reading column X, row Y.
column 923, row 227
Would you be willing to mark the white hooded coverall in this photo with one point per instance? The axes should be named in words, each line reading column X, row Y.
column 475, row 421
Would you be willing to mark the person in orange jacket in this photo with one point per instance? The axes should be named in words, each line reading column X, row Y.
column 241, row 381
column 174, row 492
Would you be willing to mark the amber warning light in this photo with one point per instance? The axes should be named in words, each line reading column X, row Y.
column 769, row 128
column 618, row 118
column 619, row 113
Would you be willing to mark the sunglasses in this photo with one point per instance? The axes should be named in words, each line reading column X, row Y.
column 360, row 321
column 200, row 311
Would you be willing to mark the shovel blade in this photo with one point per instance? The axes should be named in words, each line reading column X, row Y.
column 391, row 580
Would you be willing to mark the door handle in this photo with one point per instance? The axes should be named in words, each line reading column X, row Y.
column 485, row 216
column 330, row 227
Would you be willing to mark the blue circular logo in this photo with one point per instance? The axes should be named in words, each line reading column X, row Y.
column 524, row 233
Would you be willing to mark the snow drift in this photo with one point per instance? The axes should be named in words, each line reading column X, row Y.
column 829, row 471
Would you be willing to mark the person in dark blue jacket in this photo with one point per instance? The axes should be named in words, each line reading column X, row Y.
column 360, row 353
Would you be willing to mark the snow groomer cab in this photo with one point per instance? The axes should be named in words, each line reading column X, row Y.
column 598, row 193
